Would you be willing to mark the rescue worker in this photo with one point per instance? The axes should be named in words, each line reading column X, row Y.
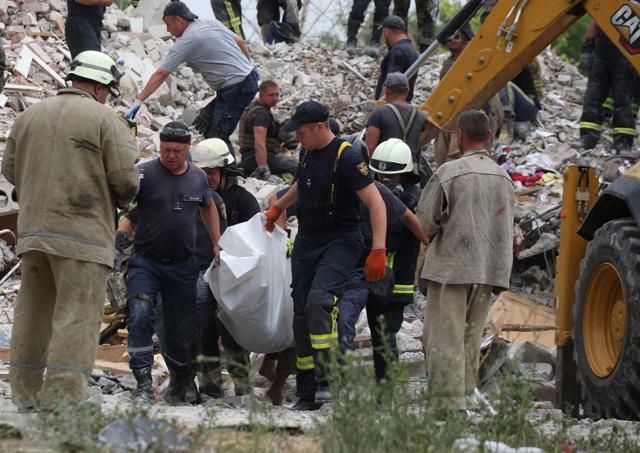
column 331, row 180
column 224, row 62
column 520, row 111
column 397, row 118
column 173, row 192
column 392, row 162
column 83, row 27
column 400, row 56
column 609, row 70
column 426, row 13
column 259, row 139
column 229, row 12
column 356, row 18
column 213, row 156
column 276, row 27
column 72, row 161
column 445, row 147
column 466, row 210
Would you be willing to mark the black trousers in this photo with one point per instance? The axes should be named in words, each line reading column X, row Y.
column 82, row 33
column 619, row 77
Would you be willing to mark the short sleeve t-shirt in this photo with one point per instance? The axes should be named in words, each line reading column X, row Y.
column 168, row 207
column 204, row 247
column 74, row 8
column 257, row 115
column 386, row 120
column 210, row 49
column 395, row 209
column 314, row 176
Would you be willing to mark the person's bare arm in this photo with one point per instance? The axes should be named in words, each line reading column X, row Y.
column 260, row 144
column 370, row 197
column 95, row 2
column 413, row 224
column 373, row 136
column 156, row 79
column 243, row 47
column 211, row 221
column 126, row 225
column 289, row 198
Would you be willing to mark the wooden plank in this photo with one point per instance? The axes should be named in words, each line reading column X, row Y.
column 48, row 70
column 105, row 353
column 519, row 319
column 25, row 58
column 20, row 88
column 123, row 333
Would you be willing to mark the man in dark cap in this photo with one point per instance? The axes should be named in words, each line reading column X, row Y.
column 223, row 60
column 397, row 118
column 401, row 53
column 331, row 181
column 173, row 192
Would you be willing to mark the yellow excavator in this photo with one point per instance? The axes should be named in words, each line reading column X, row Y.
column 597, row 286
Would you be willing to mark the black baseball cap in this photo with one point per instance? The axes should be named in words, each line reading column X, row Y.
column 177, row 8
column 394, row 23
column 306, row 113
column 175, row 131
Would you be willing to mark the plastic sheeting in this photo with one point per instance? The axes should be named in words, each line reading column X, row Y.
column 252, row 286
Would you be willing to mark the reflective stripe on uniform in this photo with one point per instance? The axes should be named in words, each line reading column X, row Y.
column 391, row 257
column 624, row 131
column 327, row 340
column 403, row 289
column 608, row 104
column 592, row 126
column 305, row 363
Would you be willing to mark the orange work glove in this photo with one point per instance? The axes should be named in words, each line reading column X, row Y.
column 376, row 265
column 272, row 214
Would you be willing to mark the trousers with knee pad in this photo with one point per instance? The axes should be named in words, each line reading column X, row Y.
column 321, row 265
column 176, row 285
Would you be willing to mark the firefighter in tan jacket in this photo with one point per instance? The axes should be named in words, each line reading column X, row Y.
column 466, row 209
column 71, row 160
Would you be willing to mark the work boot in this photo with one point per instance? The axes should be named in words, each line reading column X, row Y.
column 621, row 146
column 144, row 392
column 351, row 47
column 374, row 48
column 306, row 405
column 210, row 384
column 589, row 140
column 181, row 388
column 323, row 395
column 352, row 37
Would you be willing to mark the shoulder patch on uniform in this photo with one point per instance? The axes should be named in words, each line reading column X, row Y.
column 363, row 168
column 223, row 211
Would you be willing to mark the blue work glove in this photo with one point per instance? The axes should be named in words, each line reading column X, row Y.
column 133, row 111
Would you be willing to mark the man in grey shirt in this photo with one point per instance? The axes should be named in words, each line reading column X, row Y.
column 397, row 118
column 223, row 60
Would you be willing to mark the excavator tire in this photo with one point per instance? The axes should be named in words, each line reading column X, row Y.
column 607, row 323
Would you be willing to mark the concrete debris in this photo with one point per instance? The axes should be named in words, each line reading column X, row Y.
column 142, row 434
column 471, row 444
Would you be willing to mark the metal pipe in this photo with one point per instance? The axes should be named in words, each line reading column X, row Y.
column 10, row 273
column 413, row 69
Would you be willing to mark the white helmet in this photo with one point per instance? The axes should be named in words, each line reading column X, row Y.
column 212, row 153
column 96, row 66
column 391, row 157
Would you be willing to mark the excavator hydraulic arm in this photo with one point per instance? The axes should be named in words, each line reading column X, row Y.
column 512, row 35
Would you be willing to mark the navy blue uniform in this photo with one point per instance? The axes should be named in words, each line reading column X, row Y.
column 164, row 264
column 399, row 58
column 326, row 249
column 82, row 28
column 610, row 71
